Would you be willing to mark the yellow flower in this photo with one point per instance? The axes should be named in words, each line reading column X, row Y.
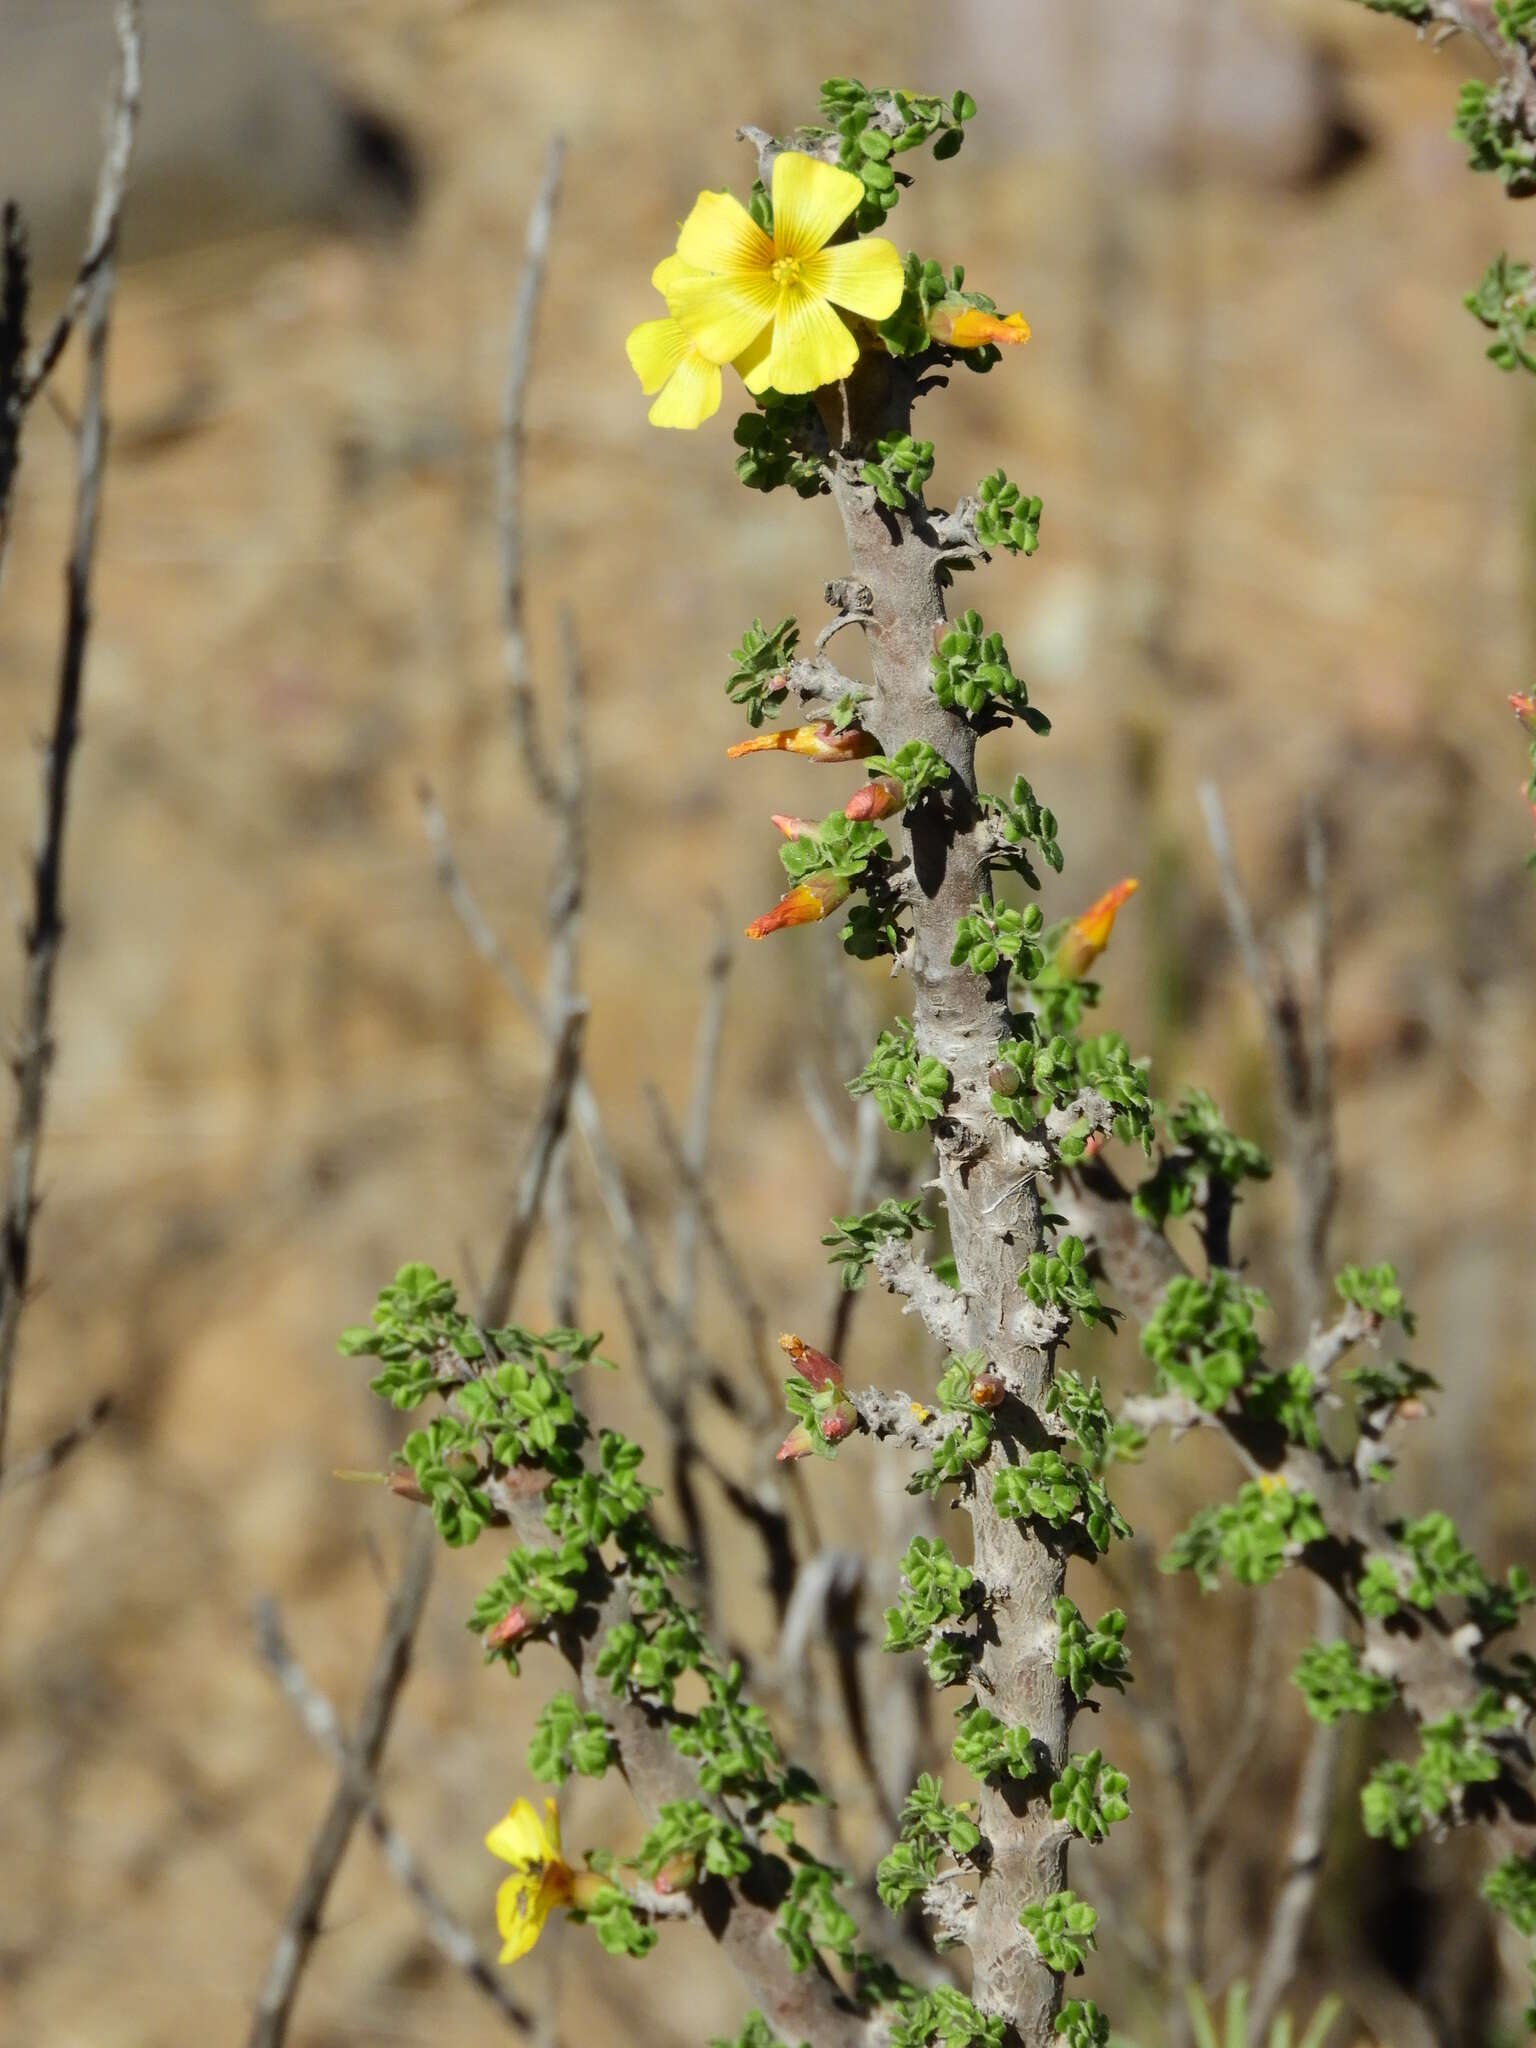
column 973, row 328
column 668, row 363
column 541, row 1881
column 747, row 285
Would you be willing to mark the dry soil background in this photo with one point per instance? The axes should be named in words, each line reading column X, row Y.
column 1287, row 545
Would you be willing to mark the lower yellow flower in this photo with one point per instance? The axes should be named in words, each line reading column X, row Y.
column 541, row 1878
column 667, row 362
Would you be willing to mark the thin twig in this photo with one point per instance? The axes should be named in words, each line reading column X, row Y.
column 562, row 982
column 548, row 1129
column 541, row 221
column 301, row 1922
column 93, row 293
column 695, row 1139
column 320, row 1720
column 63, row 1447
column 1298, row 1027
column 107, row 212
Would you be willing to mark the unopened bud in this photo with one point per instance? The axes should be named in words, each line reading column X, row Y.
column 881, row 798
column 840, row 1420
column 1524, row 708
column 798, row 1444
column 676, row 1875
column 814, row 1365
column 513, row 1625
column 987, row 1390
column 1087, row 936
column 808, row 902
column 971, row 327
column 793, row 828
column 1002, row 1078
column 820, row 742
column 405, row 1483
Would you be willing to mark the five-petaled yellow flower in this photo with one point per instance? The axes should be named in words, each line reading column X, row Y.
column 541, row 1878
column 765, row 302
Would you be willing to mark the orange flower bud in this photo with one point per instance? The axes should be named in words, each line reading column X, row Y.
column 820, row 742
column 815, row 1365
column 1524, row 709
column 1088, row 935
column 987, row 1390
column 807, row 903
column 676, row 1874
column 973, row 328
column 881, row 798
column 793, row 828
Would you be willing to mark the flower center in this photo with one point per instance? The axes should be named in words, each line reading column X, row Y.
column 786, row 270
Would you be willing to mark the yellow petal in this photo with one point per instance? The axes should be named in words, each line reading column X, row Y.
column 723, row 315
column 521, row 1838
column 690, row 395
column 811, row 200
column 655, row 348
column 669, row 270
column 866, row 277
column 721, row 235
column 753, row 356
column 551, row 1832
column 811, row 346
column 519, row 1920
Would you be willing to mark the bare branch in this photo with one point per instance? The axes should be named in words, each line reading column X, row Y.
column 695, row 1141
column 515, row 658
column 63, row 1447
column 562, row 982
column 301, row 1922
column 320, row 1720
column 945, row 1313
column 92, row 295
column 547, row 1131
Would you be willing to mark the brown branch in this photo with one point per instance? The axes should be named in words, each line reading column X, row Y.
column 301, row 1922
column 92, row 296
column 696, row 1127
column 38, row 1464
column 548, row 1129
column 562, row 983
column 320, row 1720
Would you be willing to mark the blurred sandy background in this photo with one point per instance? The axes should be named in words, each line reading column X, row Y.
column 1287, row 545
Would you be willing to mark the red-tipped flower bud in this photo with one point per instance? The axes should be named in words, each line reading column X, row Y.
column 793, row 828
column 807, row 903
column 840, row 1420
column 513, row 1625
column 1524, row 709
column 798, row 1444
column 814, row 1365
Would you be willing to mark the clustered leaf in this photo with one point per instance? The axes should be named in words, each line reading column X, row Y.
column 930, row 1828
column 1086, row 1657
column 908, row 1087
column 1202, row 1337
column 840, row 846
column 1333, row 1682
column 1254, row 1536
column 1203, row 1151
column 565, row 1739
column 972, row 673
column 898, row 470
column 988, row 1747
column 917, row 766
column 995, row 932
column 1056, row 1492
column 1504, row 301
column 873, row 124
column 1005, row 516
column 1098, row 1435
column 1089, row 1796
column 757, row 680
column 781, row 444
column 1400, row 1800
column 854, row 1240
column 1063, row 1929
column 946, row 2018
column 1020, row 819
column 1059, row 1280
